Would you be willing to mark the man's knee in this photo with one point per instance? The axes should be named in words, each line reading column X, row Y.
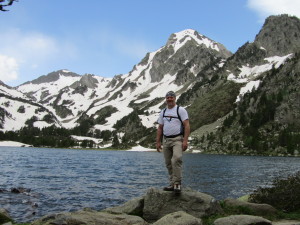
column 176, row 160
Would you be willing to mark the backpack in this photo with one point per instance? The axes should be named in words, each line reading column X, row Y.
column 178, row 117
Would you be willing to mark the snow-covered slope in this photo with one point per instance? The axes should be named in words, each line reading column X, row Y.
column 12, row 92
column 16, row 108
column 248, row 75
column 188, row 58
column 69, row 96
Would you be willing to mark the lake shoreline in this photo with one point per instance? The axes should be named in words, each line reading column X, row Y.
column 134, row 149
column 162, row 204
column 19, row 144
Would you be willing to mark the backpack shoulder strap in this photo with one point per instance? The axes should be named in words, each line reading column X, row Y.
column 164, row 112
column 178, row 113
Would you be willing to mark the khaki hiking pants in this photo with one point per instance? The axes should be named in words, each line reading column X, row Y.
column 172, row 149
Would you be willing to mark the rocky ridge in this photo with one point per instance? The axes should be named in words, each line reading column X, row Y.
column 256, row 123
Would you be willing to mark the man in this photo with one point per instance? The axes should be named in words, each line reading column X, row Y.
column 174, row 126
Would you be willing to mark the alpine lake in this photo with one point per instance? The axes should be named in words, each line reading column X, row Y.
column 59, row 180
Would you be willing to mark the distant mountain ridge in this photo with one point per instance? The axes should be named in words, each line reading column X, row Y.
column 52, row 77
column 209, row 81
column 280, row 35
column 59, row 89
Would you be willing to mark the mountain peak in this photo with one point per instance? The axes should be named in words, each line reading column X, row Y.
column 52, row 77
column 177, row 40
column 185, row 32
column 87, row 80
column 3, row 84
column 280, row 35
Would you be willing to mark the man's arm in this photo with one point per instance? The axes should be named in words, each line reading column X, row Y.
column 186, row 124
column 158, row 137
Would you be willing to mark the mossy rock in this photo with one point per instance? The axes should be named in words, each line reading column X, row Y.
column 4, row 217
column 244, row 198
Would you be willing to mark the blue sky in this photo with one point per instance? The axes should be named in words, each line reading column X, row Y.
column 108, row 38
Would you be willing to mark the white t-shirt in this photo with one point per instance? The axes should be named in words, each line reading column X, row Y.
column 171, row 122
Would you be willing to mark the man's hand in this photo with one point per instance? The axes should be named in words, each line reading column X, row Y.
column 158, row 137
column 184, row 145
column 186, row 124
column 158, row 147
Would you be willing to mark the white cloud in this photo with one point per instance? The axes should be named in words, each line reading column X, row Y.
column 25, row 52
column 27, row 47
column 275, row 7
column 8, row 68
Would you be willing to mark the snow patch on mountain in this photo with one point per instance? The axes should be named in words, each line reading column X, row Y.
column 12, row 92
column 189, row 34
column 161, row 88
column 52, row 88
column 82, row 138
column 41, row 124
column 141, row 149
column 66, row 71
column 149, row 120
column 13, row 144
column 17, row 119
column 247, row 73
column 250, row 86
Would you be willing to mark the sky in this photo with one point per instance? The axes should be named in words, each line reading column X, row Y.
column 108, row 38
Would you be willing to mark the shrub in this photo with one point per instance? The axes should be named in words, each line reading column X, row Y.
column 284, row 194
column 21, row 109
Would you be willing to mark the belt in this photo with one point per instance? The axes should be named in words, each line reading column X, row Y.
column 172, row 136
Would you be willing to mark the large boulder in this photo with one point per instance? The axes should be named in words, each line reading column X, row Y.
column 242, row 220
column 255, row 209
column 89, row 217
column 158, row 203
column 132, row 207
column 179, row 218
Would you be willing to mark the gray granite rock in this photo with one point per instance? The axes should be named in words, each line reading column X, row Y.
column 158, row 203
column 179, row 218
column 242, row 220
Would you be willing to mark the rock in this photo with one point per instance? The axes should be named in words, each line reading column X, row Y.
column 276, row 32
column 244, row 198
column 242, row 220
column 8, row 223
column 132, row 207
column 4, row 216
column 90, row 217
column 257, row 209
column 179, row 218
column 286, row 222
column 19, row 190
column 4, row 212
column 158, row 203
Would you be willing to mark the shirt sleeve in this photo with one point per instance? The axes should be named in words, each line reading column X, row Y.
column 183, row 114
column 160, row 118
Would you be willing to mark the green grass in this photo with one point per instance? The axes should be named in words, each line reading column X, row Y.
column 290, row 216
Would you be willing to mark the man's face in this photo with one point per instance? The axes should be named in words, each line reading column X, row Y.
column 170, row 100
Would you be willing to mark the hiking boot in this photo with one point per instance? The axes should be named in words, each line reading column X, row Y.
column 177, row 188
column 169, row 188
